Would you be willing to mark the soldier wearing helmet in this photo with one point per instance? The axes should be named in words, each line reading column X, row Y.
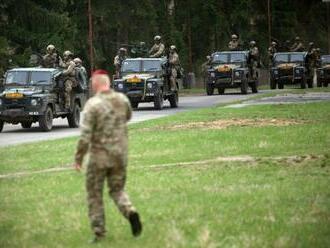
column 311, row 59
column 69, row 74
column 234, row 44
column 297, row 45
column 51, row 59
column 118, row 60
column 254, row 59
column 174, row 66
column 158, row 48
column 271, row 51
column 140, row 50
column 82, row 71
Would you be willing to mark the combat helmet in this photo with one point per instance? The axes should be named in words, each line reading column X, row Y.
column 77, row 61
column 234, row 37
column 172, row 47
column 157, row 38
column 50, row 48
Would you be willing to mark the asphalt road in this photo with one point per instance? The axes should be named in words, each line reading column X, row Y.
column 14, row 134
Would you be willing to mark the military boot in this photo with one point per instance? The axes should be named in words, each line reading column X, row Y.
column 136, row 225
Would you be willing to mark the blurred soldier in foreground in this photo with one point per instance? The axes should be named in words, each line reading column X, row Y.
column 234, row 45
column 174, row 63
column 140, row 50
column 104, row 137
column 158, row 49
column 69, row 74
column 118, row 61
column 271, row 51
column 254, row 59
column 297, row 45
column 51, row 59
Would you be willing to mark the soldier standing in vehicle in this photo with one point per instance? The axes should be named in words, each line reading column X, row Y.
column 158, row 49
column 254, row 59
column 297, row 45
column 271, row 51
column 104, row 138
column 118, row 60
column 51, row 59
column 234, row 45
column 139, row 51
column 174, row 64
column 69, row 74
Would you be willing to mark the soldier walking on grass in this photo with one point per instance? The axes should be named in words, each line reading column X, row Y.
column 104, row 137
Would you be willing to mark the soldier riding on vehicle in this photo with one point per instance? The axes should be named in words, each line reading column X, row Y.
column 297, row 45
column 158, row 49
column 174, row 66
column 118, row 60
column 51, row 59
column 234, row 45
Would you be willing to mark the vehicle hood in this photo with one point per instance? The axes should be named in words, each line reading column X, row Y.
column 287, row 66
column 327, row 67
column 139, row 76
column 27, row 91
column 226, row 67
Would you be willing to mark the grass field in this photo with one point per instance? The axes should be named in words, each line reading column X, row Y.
column 279, row 197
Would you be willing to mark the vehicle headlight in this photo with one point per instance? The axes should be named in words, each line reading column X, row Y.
column 237, row 74
column 34, row 102
column 297, row 71
column 149, row 85
column 120, row 86
column 212, row 74
column 275, row 72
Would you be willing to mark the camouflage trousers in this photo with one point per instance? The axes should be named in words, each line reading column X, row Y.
column 67, row 93
column 112, row 169
column 173, row 77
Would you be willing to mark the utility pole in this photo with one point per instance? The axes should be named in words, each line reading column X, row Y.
column 90, row 36
column 328, row 22
column 269, row 22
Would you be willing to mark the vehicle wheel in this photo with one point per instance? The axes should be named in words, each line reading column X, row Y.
column 272, row 84
column 174, row 100
column 1, row 126
column 221, row 91
column 158, row 100
column 254, row 87
column 74, row 116
column 310, row 83
column 209, row 89
column 280, row 86
column 135, row 105
column 244, row 87
column 303, row 84
column 26, row 124
column 46, row 120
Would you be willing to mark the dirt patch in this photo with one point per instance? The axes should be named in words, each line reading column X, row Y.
column 222, row 124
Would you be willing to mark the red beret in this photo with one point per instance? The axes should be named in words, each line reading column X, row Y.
column 99, row 72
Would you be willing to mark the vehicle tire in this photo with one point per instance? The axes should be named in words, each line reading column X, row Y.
column 280, row 85
column 135, row 105
column 46, row 120
column 174, row 100
column 244, row 87
column 74, row 116
column 310, row 83
column 26, row 124
column 254, row 87
column 1, row 126
column 209, row 89
column 272, row 84
column 221, row 91
column 303, row 84
column 159, row 100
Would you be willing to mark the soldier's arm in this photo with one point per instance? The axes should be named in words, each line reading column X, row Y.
column 160, row 51
column 70, row 69
column 87, row 128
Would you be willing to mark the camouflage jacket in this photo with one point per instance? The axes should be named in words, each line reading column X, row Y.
column 174, row 60
column 50, row 60
column 157, row 50
column 104, row 125
column 233, row 45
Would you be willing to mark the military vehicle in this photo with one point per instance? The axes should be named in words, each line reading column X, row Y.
column 230, row 69
column 29, row 95
column 146, row 80
column 290, row 68
column 323, row 73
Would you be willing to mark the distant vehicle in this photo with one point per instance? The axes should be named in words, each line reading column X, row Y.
column 29, row 95
column 323, row 73
column 230, row 69
column 290, row 68
column 147, row 80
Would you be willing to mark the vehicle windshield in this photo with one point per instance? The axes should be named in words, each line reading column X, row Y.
column 289, row 58
column 225, row 58
column 131, row 66
column 152, row 65
column 281, row 58
column 297, row 58
column 325, row 60
column 22, row 78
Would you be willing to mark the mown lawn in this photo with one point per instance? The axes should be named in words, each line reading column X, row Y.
column 261, row 203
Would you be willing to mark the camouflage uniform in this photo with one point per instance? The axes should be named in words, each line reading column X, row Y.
column 69, row 74
column 104, row 137
column 174, row 62
column 311, row 59
column 234, row 45
column 118, row 60
column 297, row 46
column 254, row 59
column 51, row 59
column 158, row 49
column 271, row 51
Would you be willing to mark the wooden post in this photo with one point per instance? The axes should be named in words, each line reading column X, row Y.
column 90, row 36
column 269, row 22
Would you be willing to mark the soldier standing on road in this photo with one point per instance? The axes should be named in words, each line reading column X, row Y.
column 297, row 45
column 311, row 59
column 271, row 51
column 104, row 137
column 158, row 49
column 174, row 63
column 82, row 69
column 51, row 59
column 254, row 59
column 234, row 45
column 118, row 60
column 69, row 73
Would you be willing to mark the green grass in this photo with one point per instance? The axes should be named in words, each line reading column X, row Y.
column 265, row 203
